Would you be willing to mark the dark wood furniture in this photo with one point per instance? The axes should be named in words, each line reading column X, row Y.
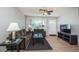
column 18, row 44
column 70, row 38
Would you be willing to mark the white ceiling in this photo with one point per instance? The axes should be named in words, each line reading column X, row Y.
column 34, row 11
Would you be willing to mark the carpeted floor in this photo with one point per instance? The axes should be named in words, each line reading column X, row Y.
column 39, row 46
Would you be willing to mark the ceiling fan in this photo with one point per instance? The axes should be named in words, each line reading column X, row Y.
column 45, row 11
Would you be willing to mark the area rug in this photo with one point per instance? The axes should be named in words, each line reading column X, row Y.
column 39, row 46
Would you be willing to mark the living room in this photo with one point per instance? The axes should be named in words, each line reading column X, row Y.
column 28, row 16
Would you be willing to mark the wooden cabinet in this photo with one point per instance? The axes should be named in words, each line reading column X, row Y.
column 70, row 38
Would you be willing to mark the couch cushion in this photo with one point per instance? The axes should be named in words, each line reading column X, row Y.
column 38, row 35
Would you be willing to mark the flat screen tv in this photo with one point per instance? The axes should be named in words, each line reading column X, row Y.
column 65, row 28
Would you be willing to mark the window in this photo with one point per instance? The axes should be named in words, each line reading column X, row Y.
column 38, row 23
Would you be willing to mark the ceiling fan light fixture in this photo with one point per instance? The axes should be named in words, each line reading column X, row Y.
column 45, row 11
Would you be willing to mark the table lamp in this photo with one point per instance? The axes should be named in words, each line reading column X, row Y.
column 29, row 28
column 13, row 27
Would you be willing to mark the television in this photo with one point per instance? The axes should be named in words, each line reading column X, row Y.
column 65, row 28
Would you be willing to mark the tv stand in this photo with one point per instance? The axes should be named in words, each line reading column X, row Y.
column 70, row 38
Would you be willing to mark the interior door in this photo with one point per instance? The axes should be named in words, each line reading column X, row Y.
column 52, row 27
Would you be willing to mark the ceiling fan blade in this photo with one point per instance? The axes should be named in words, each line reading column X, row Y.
column 45, row 11
column 41, row 9
column 50, row 11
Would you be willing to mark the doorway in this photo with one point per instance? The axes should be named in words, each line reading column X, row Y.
column 52, row 28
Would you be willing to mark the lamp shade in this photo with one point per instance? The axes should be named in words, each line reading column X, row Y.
column 29, row 26
column 13, row 27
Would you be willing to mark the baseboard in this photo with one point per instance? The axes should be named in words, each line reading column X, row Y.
column 52, row 35
column 78, row 44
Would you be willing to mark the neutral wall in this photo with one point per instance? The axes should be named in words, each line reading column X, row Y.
column 8, row 15
column 67, row 16
column 78, row 26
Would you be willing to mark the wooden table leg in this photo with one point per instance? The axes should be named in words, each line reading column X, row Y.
column 11, row 48
column 24, row 44
column 18, row 48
